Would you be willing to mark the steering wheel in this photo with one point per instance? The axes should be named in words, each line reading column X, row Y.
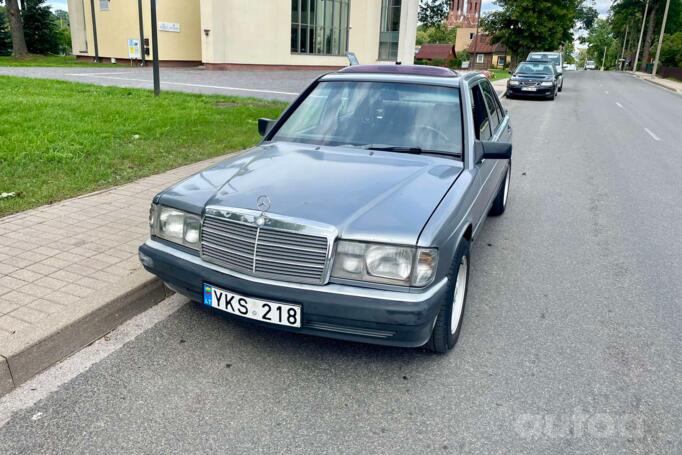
column 423, row 130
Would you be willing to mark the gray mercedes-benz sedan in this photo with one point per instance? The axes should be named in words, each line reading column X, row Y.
column 353, row 218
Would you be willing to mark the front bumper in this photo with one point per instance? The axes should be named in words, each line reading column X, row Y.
column 540, row 91
column 338, row 311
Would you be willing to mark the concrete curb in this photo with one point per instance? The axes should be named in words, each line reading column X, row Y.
column 657, row 82
column 25, row 356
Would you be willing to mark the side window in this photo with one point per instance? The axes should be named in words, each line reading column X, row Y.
column 494, row 110
column 480, row 114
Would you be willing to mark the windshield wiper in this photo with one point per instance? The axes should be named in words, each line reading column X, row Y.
column 412, row 150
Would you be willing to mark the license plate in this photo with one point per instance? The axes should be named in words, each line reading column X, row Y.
column 260, row 310
column 529, row 89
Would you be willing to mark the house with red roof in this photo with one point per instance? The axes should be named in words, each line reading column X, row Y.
column 485, row 54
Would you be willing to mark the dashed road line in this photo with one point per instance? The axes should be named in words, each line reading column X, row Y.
column 619, row 105
column 656, row 138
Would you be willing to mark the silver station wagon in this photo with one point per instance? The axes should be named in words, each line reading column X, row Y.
column 353, row 218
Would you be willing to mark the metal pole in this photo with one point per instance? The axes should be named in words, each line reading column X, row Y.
column 625, row 40
column 660, row 38
column 641, row 34
column 476, row 37
column 155, row 51
column 603, row 59
column 94, row 29
column 139, row 14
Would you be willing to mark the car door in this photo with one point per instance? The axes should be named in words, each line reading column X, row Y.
column 491, row 123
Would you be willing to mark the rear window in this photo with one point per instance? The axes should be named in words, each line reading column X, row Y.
column 535, row 68
column 554, row 58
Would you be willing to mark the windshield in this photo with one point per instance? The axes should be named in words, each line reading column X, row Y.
column 542, row 69
column 554, row 58
column 378, row 114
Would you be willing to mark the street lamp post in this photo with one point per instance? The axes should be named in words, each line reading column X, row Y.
column 660, row 38
column 625, row 40
column 603, row 59
column 641, row 33
column 155, row 51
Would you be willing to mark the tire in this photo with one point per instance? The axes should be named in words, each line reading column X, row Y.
column 500, row 202
column 448, row 324
column 561, row 87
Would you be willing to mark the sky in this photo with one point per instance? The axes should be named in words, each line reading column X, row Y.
column 58, row 4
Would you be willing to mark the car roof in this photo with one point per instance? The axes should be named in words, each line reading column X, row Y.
column 424, row 74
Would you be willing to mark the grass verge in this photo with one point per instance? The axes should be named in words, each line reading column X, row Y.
column 62, row 139
column 50, row 60
column 498, row 74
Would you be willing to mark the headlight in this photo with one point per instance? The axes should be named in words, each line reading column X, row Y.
column 547, row 84
column 175, row 226
column 389, row 264
column 513, row 82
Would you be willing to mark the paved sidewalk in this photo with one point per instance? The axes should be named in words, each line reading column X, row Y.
column 69, row 273
column 674, row 86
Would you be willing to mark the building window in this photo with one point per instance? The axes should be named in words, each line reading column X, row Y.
column 104, row 5
column 319, row 26
column 501, row 60
column 479, row 58
column 471, row 35
column 390, row 30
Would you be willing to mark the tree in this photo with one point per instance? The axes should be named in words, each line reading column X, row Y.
column 569, row 48
column 433, row 12
column 586, row 14
column 600, row 38
column 671, row 50
column 40, row 28
column 437, row 34
column 5, row 36
column 16, row 27
column 527, row 25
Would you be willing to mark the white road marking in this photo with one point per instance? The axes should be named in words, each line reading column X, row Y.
column 181, row 84
column 39, row 387
column 656, row 138
column 619, row 105
column 606, row 91
column 118, row 73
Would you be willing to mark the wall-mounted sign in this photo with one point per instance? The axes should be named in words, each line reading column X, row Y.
column 134, row 49
column 169, row 27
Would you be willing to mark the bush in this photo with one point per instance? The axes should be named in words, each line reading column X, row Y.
column 453, row 63
column 438, row 62
column 671, row 50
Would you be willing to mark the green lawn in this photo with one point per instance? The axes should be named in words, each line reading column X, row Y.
column 61, row 139
column 49, row 60
column 498, row 74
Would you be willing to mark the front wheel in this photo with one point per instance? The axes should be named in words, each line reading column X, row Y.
column 448, row 324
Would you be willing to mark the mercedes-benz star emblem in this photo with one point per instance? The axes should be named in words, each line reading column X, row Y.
column 263, row 203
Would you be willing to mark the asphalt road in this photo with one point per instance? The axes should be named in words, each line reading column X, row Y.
column 280, row 85
column 572, row 340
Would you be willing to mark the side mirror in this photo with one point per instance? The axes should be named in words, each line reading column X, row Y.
column 264, row 125
column 485, row 150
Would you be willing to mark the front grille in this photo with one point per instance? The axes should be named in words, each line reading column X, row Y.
column 530, row 83
column 264, row 251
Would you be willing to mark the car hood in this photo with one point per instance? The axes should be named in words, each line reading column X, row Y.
column 368, row 195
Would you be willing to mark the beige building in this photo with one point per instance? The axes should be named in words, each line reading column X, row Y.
column 236, row 33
